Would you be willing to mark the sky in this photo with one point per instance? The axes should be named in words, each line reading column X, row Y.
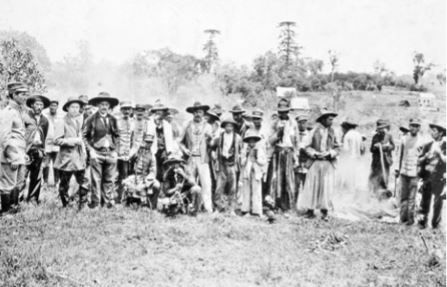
column 361, row 31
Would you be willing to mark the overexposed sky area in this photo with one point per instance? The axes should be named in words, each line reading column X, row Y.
column 361, row 31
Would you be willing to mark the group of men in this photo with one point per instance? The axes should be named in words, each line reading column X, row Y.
column 233, row 163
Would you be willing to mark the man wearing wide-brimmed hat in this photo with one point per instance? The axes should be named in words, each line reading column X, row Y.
column 281, row 174
column 164, row 143
column 194, row 143
column 101, row 136
column 301, row 169
column 142, row 187
column 407, row 171
column 180, row 192
column 13, row 146
column 214, row 120
column 126, row 151
column 72, row 157
column 36, row 133
column 227, row 145
column 55, row 121
column 322, row 147
column 382, row 146
column 253, row 162
column 432, row 166
column 238, row 113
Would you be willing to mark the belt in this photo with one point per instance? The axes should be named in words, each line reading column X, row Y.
column 104, row 149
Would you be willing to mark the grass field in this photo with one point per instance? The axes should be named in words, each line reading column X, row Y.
column 49, row 246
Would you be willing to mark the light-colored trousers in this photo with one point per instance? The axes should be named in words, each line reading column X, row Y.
column 201, row 171
column 252, row 195
column 103, row 173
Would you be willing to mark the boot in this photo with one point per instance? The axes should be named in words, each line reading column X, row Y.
column 324, row 215
column 6, row 202
column 310, row 214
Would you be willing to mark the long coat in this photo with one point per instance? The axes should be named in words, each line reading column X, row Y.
column 320, row 180
column 72, row 155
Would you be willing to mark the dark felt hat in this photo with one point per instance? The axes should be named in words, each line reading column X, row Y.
column 197, row 106
column 31, row 100
column 226, row 121
column 237, row 109
column 325, row 113
column 104, row 97
column 72, row 100
column 173, row 159
column 251, row 134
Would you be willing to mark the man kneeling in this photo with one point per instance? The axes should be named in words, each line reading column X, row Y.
column 142, row 187
column 180, row 193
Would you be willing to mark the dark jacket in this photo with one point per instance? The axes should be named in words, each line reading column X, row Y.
column 32, row 127
column 387, row 140
column 431, row 167
column 95, row 130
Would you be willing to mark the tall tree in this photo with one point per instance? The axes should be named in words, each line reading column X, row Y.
column 19, row 64
column 419, row 66
column 210, row 49
column 333, row 60
column 28, row 42
column 288, row 48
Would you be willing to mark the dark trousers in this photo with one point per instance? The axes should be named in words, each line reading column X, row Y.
column 408, row 191
column 225, row 194
column 123, row 167
column 64, row 185
column 50, row 158
column 35, row 179
column 160, row 158
column 429, row 189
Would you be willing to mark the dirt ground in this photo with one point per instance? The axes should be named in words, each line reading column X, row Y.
column 49, row 246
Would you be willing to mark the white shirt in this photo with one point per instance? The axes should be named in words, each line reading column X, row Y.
column 227, row 142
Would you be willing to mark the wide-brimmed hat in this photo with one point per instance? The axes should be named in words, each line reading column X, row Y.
column 173, row 159
column 404, row 129
column 349, row 122
column 158, row 106
column 72, row 100
column 237, row 109
column 140, row 107
column 197, row 106
column 251, row 134
column 213, row 114
column 31, row 100
column 415, row 122
column 438, row 125
column 104, row 97
column 226, row 121
column 283, row 110
column 218, row 109
column 84, row 98
column 381, row 123
column 257, row 114
column 324, row 113
column 301, row 118
column 126, row 104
